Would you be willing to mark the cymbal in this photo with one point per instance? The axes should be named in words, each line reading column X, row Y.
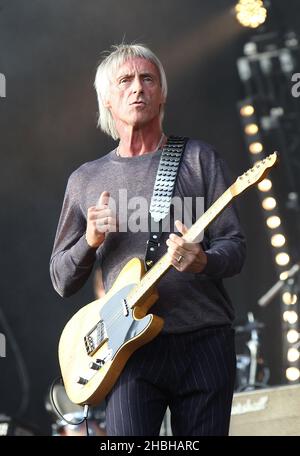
column 249, row 326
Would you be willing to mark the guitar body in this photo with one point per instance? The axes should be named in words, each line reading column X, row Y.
column 99, row 339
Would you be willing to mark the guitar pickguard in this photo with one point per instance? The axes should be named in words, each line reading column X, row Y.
column 120, row 326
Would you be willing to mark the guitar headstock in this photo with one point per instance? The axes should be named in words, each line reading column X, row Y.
column 254, row 175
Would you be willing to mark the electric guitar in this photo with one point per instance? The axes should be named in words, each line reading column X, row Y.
column 99, row 339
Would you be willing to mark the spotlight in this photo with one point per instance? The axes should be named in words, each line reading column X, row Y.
column 247, row 111
column 289, row 298
column 277, row 240
column 256, row 148
column 251, row 129
column 290, row 316
column 283, row 276
column 269, row 203
column 265, row 185
column 292, row 374
column 250, row 13
column 292, row 336
column 273, row 221
column 293, row 355
column 282, row 259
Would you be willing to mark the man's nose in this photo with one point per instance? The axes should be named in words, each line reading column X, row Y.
column 137, row 85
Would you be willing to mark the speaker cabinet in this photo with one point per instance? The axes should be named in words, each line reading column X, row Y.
column 270, row 411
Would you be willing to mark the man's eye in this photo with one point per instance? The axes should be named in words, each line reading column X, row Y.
column 123, row 80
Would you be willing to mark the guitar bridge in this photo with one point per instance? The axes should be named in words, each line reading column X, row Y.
column 95, row 338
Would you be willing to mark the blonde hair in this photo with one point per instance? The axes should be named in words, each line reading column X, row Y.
column 108, row 67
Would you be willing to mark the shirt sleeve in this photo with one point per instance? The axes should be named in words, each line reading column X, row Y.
column 224, row 242
column 72, row 259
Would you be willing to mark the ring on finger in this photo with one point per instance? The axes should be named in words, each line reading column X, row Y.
column 179, row 258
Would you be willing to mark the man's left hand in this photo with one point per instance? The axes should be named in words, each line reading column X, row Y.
column 185, row 256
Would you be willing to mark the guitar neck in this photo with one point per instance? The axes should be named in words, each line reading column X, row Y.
column 199, row 226
column 162, row 266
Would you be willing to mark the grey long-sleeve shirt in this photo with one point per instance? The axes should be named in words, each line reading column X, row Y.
column 187, row 301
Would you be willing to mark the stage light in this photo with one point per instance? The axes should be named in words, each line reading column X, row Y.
column 284, row 275
column 265, row 185
column 273, row 222
column 292, row 336
column 277, row 240
column 290, row 316
column 247, row 111
column 269, row 203
column 250, row 13
column 293, row 355
column 251, row 129
column 292, row 374
column 256, row 148
column 289, row 298
column 282, row 259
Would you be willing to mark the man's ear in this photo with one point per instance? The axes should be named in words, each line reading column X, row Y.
column 162, row 103
column 105, row 99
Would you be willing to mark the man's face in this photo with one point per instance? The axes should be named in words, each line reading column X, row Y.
column 135, row 94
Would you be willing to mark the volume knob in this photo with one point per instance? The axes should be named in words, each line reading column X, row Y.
column 94, row 366
column 82, row 381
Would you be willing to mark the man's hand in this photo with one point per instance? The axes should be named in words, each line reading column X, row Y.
column 185, row 256
column 100, row 220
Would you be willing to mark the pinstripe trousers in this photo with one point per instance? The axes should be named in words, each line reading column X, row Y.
column 192, row 373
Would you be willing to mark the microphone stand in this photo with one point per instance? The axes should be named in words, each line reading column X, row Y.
column 253, row 345
column 275, row 289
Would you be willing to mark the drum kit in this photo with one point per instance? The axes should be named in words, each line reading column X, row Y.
column 251, row 373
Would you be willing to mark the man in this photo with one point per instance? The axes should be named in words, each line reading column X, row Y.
column 190, row 365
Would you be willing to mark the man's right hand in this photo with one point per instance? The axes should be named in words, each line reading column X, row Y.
column 100, row 220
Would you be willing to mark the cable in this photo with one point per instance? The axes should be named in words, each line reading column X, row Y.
column 58, row 412
column 86, row 414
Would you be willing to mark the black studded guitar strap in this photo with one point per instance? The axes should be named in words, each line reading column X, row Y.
column 162, row 193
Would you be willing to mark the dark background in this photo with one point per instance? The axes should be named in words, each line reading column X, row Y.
column 48, row 53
